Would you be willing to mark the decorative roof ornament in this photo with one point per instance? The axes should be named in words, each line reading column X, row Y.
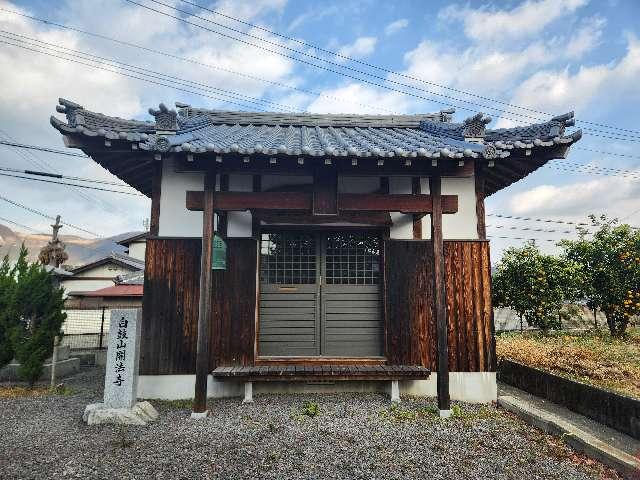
column 166, row 120
column 447, row 114
column 474, row 127
column 70, row 109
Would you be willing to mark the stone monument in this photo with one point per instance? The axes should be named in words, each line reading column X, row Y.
column 120, row 405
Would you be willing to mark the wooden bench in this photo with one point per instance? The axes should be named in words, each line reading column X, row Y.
column 321, row 373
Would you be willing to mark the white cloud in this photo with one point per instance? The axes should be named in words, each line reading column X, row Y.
column 395, row 27
column 358, row 98
column 528, row 18
column 560, row 90
column 362, row 47
column 586, row 39
column 616, row 196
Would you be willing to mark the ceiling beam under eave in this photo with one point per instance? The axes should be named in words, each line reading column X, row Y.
column 303, row 201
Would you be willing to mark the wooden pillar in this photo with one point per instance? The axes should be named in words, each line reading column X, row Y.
column 444, row 402
column 156, row 185
column 417, row 218
column 480, row 214
column 205, row 310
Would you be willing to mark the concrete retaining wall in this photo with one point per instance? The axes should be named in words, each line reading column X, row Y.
column 609, row 408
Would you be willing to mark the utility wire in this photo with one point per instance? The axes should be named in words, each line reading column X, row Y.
column 146, row 77
column 49, row 217
column 126, row 75
column 42, row 149
column 532, row 219
column 338, row 65
column 21, row 225
column 71, row 184
column 383, row 69
column 65, row 177
column 193, row 61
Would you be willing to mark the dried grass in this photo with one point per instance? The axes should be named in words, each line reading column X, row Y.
column 17, row 392
column 592, row 357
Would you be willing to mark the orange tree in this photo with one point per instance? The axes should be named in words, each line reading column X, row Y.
column 535, row 285
column 610, row 257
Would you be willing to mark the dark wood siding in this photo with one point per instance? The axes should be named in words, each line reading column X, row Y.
column 234, row 322
column 171, row 296
column 411, row 331
column 170, row 306
column 411, row 327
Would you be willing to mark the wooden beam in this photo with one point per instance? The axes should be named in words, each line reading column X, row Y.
column 404, row 203
column 205, row 310
column 154, row 220
column 440, row 294
column 297, row 201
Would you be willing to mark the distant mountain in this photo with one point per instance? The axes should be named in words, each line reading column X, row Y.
column 81, row 250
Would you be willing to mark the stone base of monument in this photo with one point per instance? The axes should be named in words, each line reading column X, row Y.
column 99, row 413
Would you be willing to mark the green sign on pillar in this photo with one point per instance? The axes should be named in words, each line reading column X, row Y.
column 219, row 260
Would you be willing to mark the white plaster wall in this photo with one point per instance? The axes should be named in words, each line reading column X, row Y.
column 84, row 285
column 137, row 250
column 464, row 224
column 402, row 227
column 107, row 270
column 175, row 219
column 473, row 387
column 426, row 220
column 239, row 224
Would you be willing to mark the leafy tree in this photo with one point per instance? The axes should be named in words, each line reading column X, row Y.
column 7, row 319
column 32, row 315
column 535, row 285
column 610, row 257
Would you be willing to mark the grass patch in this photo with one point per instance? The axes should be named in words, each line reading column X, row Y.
column 592, row 357
column 36, row 391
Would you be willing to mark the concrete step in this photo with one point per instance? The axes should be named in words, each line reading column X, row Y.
column 608, row 446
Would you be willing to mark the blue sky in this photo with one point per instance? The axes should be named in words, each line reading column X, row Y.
column 547, row 55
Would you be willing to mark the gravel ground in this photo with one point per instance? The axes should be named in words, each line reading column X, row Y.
column 353, row 436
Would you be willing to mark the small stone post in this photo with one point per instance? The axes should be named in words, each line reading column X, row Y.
column 54, row 360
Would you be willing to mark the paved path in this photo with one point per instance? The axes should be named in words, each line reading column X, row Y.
column 605, row 444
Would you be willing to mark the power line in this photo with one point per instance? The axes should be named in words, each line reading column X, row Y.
column 306, row 54
column 530, row 229
column 125, row 67
column 379, row 68
column 21, row 225
column 30, row 157
column 124, row 74
column 42, row 149
column 193, row 61
column 58, row 175
column 71, row 184
column 49, row 217
column 524, row 238
column 606, row 153
column 543, row 220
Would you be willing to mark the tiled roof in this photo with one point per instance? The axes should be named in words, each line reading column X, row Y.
column 200, row 131
column 116, row 291
column 119, row 258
